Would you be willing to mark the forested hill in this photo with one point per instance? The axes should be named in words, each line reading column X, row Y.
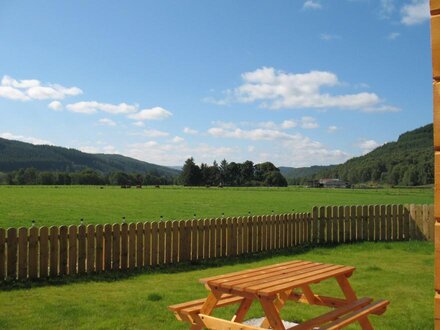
column 407, row 162
column 15, row 155
column 301, row 172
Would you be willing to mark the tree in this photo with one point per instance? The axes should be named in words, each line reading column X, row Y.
column 275, row 179
column 191, row 174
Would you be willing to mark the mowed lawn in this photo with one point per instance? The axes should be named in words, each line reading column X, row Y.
column 401, row 272
column 50, row 205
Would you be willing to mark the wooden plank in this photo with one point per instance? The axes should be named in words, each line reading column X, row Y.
column 44, row 251
column 108, row 247
column 437, row 258
column 261, row 238
column 183, row 242
column 224, row 237
column 322, row 226
column 315, row 225
column 406, row 220
column 161, row 242
column 371, row 223
column 188, row 240
column 116, row 247
column 168, row 241
column 249, row 234
column 90, row 249
column 194, row 232
column 240, row 236
column 288, row 230
column 400, row 222
column 435, row 45
column 377, row 223
column 147, row 244
column 394, row 223
column 54, row 251
column 82, row 249
column 140, row 245
column 359, row 224
column 175, row 253
column 383, row 223
column 341, row 217
column 63, row 250
column 22, row 253
column 329, row 224
column 269, row 239
column 206, row 233
column 412, row 225
column 233, row 238
column 2, row 254
column 154, row 243
column 132, row 246
column 365, row 217
column 425, row 221
column 431, row 222
column 73, row 249
column 352, row 223
column 212, row 241
column 389, row 223
column 211, row 322
column 33, row 253
column 200, row 239
column 335, row 224
column 99, row 234
column 124, row 246
column 11, row 253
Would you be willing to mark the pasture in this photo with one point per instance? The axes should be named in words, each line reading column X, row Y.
column 65, row 205
column 398, row 271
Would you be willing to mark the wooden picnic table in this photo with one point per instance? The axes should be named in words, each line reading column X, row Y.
column 272, row 286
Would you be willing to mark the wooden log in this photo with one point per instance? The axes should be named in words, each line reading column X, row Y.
column 168, row 241
column 44, row 251
column 175, row 253
column 147, row 243
column 108, row 247
column 82, row 249
column 73, row 249
column 22, row 253
column 124, row 246
column 140, row 245
column 116, row 245
column 99, row 257
column 63, row 250
column 33, row 253
column 90, row 249
column 54, row 251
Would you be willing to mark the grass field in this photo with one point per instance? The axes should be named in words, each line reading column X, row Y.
column 401, row 272
column 50, row 205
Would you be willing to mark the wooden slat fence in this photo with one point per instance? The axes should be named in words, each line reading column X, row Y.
column 57, row 251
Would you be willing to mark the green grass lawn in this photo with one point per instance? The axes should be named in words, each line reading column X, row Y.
column 401, row 272
column 50, row 205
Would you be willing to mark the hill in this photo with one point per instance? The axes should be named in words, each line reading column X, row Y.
column 301, row 172
column 407, row 162
column 16, row 155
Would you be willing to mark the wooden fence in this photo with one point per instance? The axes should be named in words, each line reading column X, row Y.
column 31, row 253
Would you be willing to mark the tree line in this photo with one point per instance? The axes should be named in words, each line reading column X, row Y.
column 231, row 174
column 31, row 176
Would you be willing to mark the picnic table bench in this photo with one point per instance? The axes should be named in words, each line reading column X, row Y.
column 273, row 286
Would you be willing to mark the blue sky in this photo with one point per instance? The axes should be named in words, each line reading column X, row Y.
column 294, row 82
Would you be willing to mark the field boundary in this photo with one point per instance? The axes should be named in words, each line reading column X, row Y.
column 38, row 253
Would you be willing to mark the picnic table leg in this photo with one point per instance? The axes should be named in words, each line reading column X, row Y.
column 350, row 295
column 242, row 310
column 272, row 312
column 207, row 308
column 279, row 303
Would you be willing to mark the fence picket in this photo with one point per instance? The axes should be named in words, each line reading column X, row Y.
column 383, row 223
column 240, row 235
column 63, row 250
column 2, row 254
column 400, row 222
column 154, row 243
column 131, row 246
column 33, row 253
column 82, row 249
column 406, row 220
column 194, row 231
column 394, row 221
column 161, row 242
column 140, row 245
column 12, row 253
column 54, row 250
column 44, row 251
column 116, row 244
column 353, row 223
column 124, row 246
column 22, row 253
column 371, row 223
column 99, row 257
column 200, row 239
column 175, row 254
column 90, row 249
column 147, row 244
column 107, row 247
column 73, row 249
column 168, row 240
column 359, row 224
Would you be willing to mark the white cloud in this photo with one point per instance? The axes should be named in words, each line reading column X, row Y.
column 106, row 122
column 154, row 133
column 177, row 139
column 253, row 134
column 89, row 107
column 28, row 139
column 190, row 131
column 139, row 124
column 332, row 129
column 89, row 149
column 312, row 4
column 279, row 90
column 367, row 145
column 55, row 105
column 223, row 124
column 251, row 148
column 156, row 113
column 386, row 9
column 329, row 37
column 288, row 124
column 106, row 149
column 32, row 89
column 393, row 35
column 309, row 123
column 415, row 13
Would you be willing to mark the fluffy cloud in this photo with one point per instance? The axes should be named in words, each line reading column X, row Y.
column 332, row 129
column 309, row 123
column 274, row 89
column 190, row 131
column 139, row 124
column 106, row 149
column 156, row 113
column 386, row 9
column 288, row 124
column 415, row 13
column 106, row 122
column 89, row 107
column 312, row 4
column 393, row 35
column 55, row 105
column 28, row 139
column 178, row 139
column 154, row 133
column 32, row 89
column 367, row 145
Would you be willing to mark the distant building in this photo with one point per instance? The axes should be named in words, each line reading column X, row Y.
column 333, row 183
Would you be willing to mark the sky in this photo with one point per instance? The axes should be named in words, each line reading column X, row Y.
column 294, row 82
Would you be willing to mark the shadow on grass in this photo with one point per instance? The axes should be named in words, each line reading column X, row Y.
column 112, row 276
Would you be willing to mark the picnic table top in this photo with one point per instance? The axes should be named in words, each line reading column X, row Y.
column 270, row 280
